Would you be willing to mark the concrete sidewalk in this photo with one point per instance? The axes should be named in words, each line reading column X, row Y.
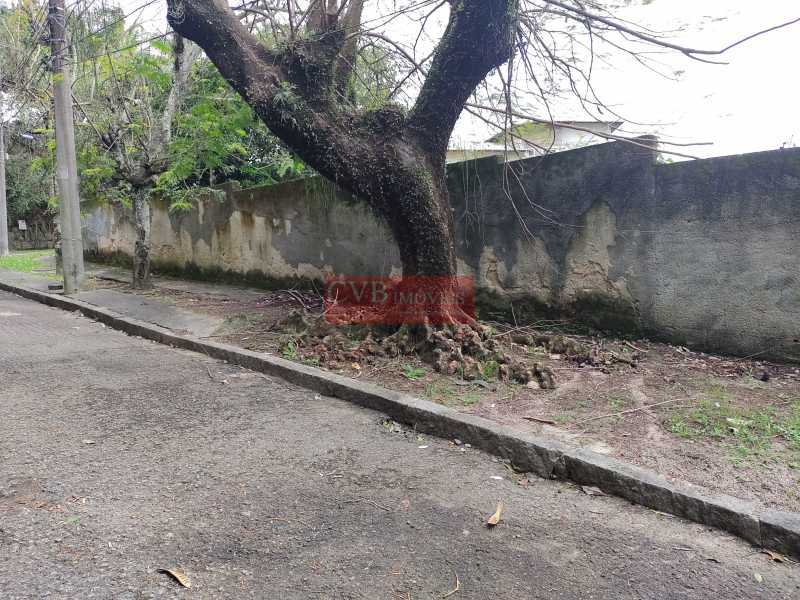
column 121, row 456
column 146, row 309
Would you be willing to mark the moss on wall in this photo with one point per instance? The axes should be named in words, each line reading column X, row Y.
column 253, row 278
column 606, row 313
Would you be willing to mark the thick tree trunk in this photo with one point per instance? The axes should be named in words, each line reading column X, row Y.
column 421, row 220
column 141, row 251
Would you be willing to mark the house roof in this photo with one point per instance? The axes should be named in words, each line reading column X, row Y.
column 531, row 128
column 476, row 146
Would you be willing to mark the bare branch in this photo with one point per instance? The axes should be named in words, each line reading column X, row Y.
column 350, row 25
column 658, row 41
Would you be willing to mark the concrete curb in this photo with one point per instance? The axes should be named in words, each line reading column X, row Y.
column 771, row 529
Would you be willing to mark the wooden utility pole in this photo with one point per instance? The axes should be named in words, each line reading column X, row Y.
column 3, row 206
column 66, row 160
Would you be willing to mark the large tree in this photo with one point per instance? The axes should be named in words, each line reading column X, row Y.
column 392, row 158
column 134, row 126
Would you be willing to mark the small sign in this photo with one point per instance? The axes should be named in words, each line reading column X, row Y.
column 22, row 225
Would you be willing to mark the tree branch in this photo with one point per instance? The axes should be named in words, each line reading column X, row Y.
column 345, row 63
column 238, row 54
column 185, row 55
column 650, row 39
column 478, row 38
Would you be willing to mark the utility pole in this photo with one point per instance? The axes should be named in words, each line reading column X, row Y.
column 66, row 160
column 3, row 206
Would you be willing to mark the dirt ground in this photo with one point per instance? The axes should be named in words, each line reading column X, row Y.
column 729, row 424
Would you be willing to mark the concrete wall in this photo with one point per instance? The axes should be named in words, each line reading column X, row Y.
column 39, row 234
column 702, row 253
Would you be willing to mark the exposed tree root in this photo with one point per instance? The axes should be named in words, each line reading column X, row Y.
column 463, row 347
column 468, row 349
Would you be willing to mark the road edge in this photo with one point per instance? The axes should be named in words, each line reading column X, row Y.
column 767, row 528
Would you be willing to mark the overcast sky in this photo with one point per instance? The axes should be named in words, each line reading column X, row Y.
column 748, row 105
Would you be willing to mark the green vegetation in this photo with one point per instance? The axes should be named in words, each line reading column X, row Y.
column 748, row 431
column 413, row 373
column 24, row 262
column 618, row 402
column 441, row 393
column 123, row 98
column 289, row 348
column 444, row 393
column 470, row 399
column 490, row 370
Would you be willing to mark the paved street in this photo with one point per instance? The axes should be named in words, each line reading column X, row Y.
column 119, row 457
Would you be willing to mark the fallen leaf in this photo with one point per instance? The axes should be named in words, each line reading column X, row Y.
column 178, row 576
column 758, row 577
column 495, row 518
column 89, row 442
column 454, row 590
column 775, row 556
column 590, row 490
column 356, row 366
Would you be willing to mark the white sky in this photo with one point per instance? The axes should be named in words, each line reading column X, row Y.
column 748, row 105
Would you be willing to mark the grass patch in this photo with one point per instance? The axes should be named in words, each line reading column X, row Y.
column 443, row 393
column 24, row 262
column 413, row 373
column 490, row 370
column 748, row 432
column 288, row 348
column 440, row 392
column 470, row 399
column 618, row 402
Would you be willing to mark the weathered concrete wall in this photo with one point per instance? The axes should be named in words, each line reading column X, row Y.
column 701, row 253
column 722, row 268
column 303, row 229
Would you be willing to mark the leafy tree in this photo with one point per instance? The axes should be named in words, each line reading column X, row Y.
column 23, row 108
column 30, row 183
column 218, row 138
column 160, row 121
column 153, row 119
column 134, row 96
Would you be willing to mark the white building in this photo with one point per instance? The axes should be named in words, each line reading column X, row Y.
column 534, row 139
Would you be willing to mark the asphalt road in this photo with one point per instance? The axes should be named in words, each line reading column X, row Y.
column 119, row 457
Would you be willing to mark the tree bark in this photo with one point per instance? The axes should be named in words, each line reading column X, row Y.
column 141, row 251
